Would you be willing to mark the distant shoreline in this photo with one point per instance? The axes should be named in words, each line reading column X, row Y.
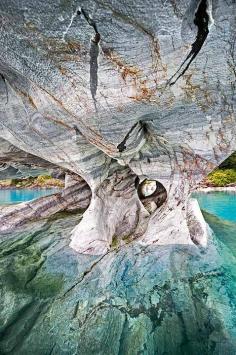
column 36, row 187
column 33, row 183
column 216, row 188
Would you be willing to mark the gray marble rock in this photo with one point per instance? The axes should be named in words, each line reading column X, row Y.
column 75, row 196
column 116, row 92
column 15, row 163
column 98, row 86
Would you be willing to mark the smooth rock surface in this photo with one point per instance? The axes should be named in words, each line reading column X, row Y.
column 133, row 300
column 94, row 94
column 76, row 195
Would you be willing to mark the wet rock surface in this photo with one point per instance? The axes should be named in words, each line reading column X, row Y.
column 132, row 300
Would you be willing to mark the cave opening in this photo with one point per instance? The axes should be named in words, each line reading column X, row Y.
column 151, row 193
column 202, row 21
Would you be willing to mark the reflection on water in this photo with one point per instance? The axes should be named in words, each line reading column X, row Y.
column 11, row 196
column 219, row 211
column 225, row 235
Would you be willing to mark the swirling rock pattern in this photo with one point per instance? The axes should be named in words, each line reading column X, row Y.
column 88, row 86
column 117, row 92
column 75, row 196
column 16, row 163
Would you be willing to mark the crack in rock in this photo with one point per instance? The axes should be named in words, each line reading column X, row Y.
column 85, row 273
column 75, row 13
column 93, row 52
column 122, row 145
column 94, row 48
column 202, row 20
column 5, row 83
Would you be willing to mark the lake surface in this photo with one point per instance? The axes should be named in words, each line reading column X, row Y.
column 221, row 204
column 12, row 196
column 219, row 211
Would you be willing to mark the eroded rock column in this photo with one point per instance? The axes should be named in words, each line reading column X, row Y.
column 115, row 214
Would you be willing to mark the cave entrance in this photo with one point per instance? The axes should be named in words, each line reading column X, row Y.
column 151, row 193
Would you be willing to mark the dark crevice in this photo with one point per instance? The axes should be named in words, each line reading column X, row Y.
column 94, row 53
column 122, row 145
column 85, row 273
column 201, row 20
column 91, row 23
column 78, row 133
column 52, row 349
column 4, row 80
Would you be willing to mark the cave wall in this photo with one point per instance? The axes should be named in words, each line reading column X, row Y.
column 122, row 88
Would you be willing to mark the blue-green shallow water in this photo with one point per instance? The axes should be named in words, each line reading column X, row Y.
column 155, row 300
column 220, row 204
column 12, row 196
column 219, row 211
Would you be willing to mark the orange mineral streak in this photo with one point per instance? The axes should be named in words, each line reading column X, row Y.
column 133, row 77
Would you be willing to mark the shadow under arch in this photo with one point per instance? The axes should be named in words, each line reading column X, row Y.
column 151, row 193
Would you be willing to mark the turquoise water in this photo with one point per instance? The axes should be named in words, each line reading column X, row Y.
column 219, row 211
column 12, row 196
column 157, row 300
column 220, row 204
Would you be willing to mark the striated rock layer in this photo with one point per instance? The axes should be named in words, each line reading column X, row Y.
column 137, row 88
column 117, row 94
column 114, row 90
column 75, row 196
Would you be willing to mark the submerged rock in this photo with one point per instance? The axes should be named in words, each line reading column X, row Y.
column 171, row 299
